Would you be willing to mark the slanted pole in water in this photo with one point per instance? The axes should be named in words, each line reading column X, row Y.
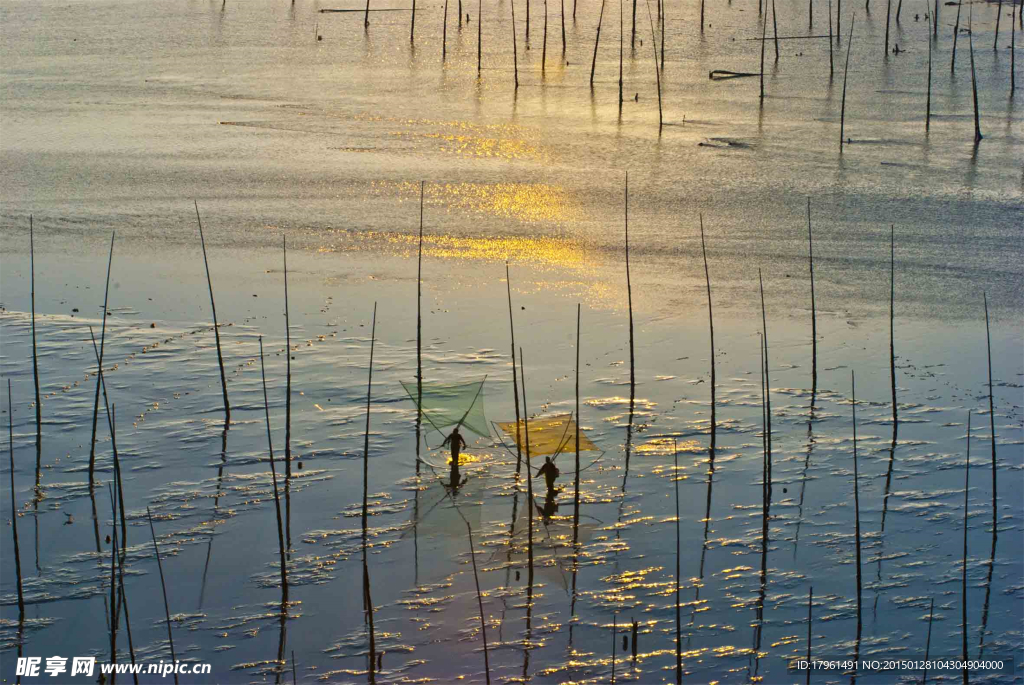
column 928, row 641
column 563, row 30
column 856, row 497
column 163, row 587
column 529, row 475
column 767, row 391
column 657, row 71
column 14, row 506
column 999, row 14
column 831, row 66
column 711, row 332
column 846, row 74
column 103, row 337
column 775, row 31
column 419, row 328
column 366, row 15
column 366, row 434
column 216, row 328
column 576, row 476
column 632, row 39
column 1013, row 48
column 620, row 56
column 35, row 355
column 991, row 414
column 273, row 472
column 963, row 575
column 515, row 381
column 544, row 45
column 480, row 603
column 597, row 39
column 288, row 372
column 479, row 36
column 444, row 34
column 412, row 23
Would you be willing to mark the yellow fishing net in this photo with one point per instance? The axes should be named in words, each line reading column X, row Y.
column 548, row 435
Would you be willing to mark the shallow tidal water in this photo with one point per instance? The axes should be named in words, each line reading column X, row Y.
column 117, row 114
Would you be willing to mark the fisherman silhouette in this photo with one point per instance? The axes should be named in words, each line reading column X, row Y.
column 456, row 442
column 550, row 473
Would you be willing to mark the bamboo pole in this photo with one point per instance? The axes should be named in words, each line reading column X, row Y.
column 892, row 319
column 814, row 316
column 419, row 332
column 767, row 389
column 999, row 14
column 563, row 29
column 479, row 36
column 216, row 328
column 1013, row 47
column 515, row 381
column 120, row 580
column 544, row 46
column 597, row 39
column 529, row 475
column 412, row 23
column 163, row 587
column 273, row 472
column 366, row 435
column 527, row 35
column 810, row 624
column 632, row 40
column 115, row 606
column 679, row 622
column 14, row 506
column 963, row 576
column 629, row 297
column 928, row 642
column 974, row 78
column 928, row 110
column 831, row 66
column 480, row 603
column 956, row 31
column 991, row 414
column 711, row 331
column 366, row 15
column 288, row 373
column 846, row 73
column 856, row 497
column 775, row 31
column 935, row 20
column 620, row 56
column 444, row 34
column 764, row 33
column 888, row 12
column 657, row 71
column 103, row 337
column 576, row 476
column 515, row 53
column 35, row 355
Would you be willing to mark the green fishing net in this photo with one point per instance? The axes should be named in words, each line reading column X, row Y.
column 444, row 405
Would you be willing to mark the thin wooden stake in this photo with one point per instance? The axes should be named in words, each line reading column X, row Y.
column 366, row 434
column 620, row 55
column 974, row 78
column 991, row 414
column 14, row 506
column 480, row 602
column 831, row 66
column 775, row 31
column 288, row 371
column 928, row 642
column 103, row 336
column 810, row 624
column 711, row 330
column 767, row 389
column 412, row 23
column 888, row 12
column 544, row 46
column 479, row 36
column 814, row 315
column 1013, row 47
column 764, row 33
column 273, row 473
column 563, row 29
column 679, row 620
column 928, row 110
column 529, row 475
column 216, row 328
column 846, row 73
column 163, row 587
column 444, row 34
column 629, row 296
column 657, row 71
column 856, row 495
column 576, row 476
column 515, row 53
column 515, row 381
column 35, row 355
column 597, row 39
column 963, row 576
column 419, row 330
column 956, row 31
column 632, row 40
column 892, row 319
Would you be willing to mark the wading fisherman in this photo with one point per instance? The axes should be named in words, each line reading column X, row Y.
column 456, row 442
column 550, row 473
